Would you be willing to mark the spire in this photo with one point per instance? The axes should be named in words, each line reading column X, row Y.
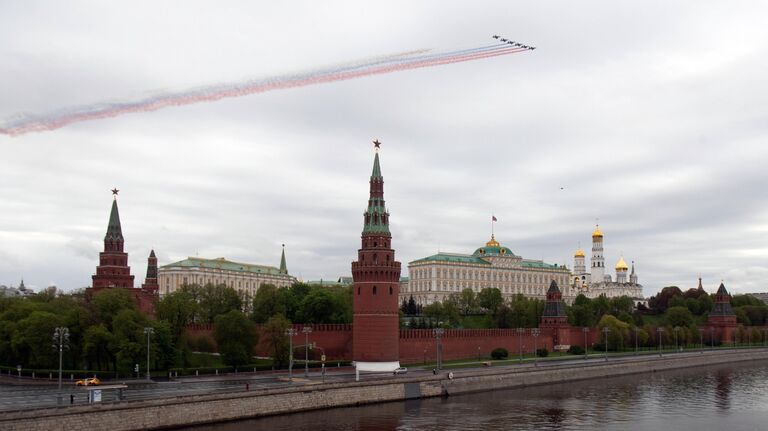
column 114, row 230
column 283, row 267
column 721, row 290
column 376, row 168
column 553, row 288
column 152, row 265
column 633, row 269
column 376, row 216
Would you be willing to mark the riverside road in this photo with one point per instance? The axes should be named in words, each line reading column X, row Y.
column 20, row 394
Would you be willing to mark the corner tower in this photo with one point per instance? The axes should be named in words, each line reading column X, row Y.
column 376, row 276
column 113, row 269
column 150, row 281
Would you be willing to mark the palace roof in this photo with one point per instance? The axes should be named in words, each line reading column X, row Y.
column 224, row 265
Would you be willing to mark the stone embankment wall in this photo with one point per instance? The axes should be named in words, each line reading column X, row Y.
column 197, row 409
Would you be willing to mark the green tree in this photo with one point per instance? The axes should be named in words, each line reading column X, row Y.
column 274, row 335
column 679, row 316
column 98, row 348
column 33, row 340
column 108, row 303
column 236, row 337
column 218, row 299
column 489, row 299
column 268, row 301
column 618, row 331
column 178, row 309
column 467, row 302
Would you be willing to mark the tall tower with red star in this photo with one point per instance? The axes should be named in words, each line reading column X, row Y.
column 376, row 275
column 113, row 269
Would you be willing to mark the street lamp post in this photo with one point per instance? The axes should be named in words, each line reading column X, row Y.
column 520, row 342
column 60, row 341
column 306, row 330
column 585, row 330
column 535, row 332
column 149, row 331
column 438, row 332
column 635, row 340
column 606, row 330
column 290, row 332
column 478, row 353
column 765, row 337
column 701, row 339
column 676, row 329
column 659, row 330
column 712, row 337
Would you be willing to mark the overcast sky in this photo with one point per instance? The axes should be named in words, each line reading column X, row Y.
column 651, row 116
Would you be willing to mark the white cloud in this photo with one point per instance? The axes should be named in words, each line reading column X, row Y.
column 652, row 118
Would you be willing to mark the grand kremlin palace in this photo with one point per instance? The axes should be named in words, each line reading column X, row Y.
column 436, row 277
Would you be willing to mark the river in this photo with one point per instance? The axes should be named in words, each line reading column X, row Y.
column 714, row 398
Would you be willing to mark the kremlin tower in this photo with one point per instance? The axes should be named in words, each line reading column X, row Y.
column 376, row 276
column 554, row 317
column 113, row 269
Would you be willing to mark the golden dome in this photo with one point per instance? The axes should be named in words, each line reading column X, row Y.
column 597, row 233
column 621, row 265
column 492, row 242
column 579, row 253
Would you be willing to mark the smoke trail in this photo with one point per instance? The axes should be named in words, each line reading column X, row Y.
column 340, row 72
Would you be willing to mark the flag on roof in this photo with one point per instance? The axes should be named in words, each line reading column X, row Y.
column 493, row 218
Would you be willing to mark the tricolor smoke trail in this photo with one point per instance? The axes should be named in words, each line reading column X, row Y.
column 340, row 72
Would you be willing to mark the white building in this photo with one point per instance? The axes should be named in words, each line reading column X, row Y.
column 436, row 277
column 596, row 282
column 243, row 277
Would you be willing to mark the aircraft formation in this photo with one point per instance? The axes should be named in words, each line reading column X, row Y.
column 513, row 43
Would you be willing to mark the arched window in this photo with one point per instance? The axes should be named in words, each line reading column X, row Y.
column 390, row 290
column 374, row 290
column 358, row 290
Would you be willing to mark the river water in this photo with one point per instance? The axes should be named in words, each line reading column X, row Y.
column 717, row 398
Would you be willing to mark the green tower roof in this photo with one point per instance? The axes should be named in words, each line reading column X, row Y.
column 283, row 267
column 376, row 168
column 114, row 230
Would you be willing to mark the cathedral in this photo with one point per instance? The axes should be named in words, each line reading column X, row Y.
column 596, row 282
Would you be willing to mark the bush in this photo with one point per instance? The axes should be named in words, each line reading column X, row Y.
column 499, row 353
column 542, row 353
column 576, row 350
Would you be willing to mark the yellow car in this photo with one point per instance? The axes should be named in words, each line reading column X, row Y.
column 91, row 381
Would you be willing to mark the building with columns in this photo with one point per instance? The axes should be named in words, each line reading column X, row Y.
column 243, row 277
column 597, row 282
column 435, row 278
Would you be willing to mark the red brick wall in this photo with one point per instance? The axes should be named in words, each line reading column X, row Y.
column 418, row 344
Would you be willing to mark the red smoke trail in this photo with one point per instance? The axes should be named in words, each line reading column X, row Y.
column 56, row 123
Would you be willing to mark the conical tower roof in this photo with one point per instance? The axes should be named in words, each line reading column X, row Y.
column 553, row 287
column 152, row 253
column 114, row 230
column 376, row 216
column 721, row 290
column 283, row 266
column 376, row 167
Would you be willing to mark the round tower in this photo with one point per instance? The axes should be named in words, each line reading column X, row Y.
column 376, row 276
column 579, row 265
column 598, row 262
column 621, row 270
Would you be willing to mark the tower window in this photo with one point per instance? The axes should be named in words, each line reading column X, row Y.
column 374, row 290
column 358, row 290
column 390, row 290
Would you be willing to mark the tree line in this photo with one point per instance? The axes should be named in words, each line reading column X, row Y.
column 107, row 333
